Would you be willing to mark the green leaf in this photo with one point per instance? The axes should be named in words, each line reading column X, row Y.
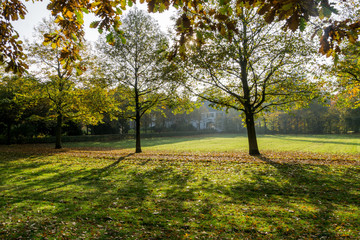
column 162, row 7
column 123, row 39
column 123, row 4
column 85, row 10
column 110, row 38
column 94, row 24
column 287, row 6
column 78, row 71
column 321, row 14
column 336, row 59
column 119, row 11
column 327, row 11
column 73, row 36
column 302, row 24
column 79, row 17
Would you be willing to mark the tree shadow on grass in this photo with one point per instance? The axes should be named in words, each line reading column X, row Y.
column 293, row 188
column 156, row 141
column 77, row 201
column 142, row 199
column 325, row 141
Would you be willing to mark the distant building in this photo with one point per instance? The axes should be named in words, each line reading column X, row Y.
column 211, row 119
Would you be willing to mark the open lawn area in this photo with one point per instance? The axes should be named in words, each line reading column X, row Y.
column 182, row 188
column 235, row 142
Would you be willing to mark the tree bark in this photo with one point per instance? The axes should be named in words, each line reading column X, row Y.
column 250, row 126
column 58, row 143
column 137, row 132
column 137, row 121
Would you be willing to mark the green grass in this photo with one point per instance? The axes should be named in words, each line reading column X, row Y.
column 95, row 193
column 231, row 142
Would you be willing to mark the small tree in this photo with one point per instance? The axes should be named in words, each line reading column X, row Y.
column 15, row 106
column 257, row 69
column 137, row 65
column 68, row 95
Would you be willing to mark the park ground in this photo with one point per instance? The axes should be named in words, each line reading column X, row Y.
column 203, row 187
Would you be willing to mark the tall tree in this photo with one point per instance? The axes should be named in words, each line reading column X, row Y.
column 59, row 79
column 258, row 69
column 138, row 66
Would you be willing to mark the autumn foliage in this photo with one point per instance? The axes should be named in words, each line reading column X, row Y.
column 69, row 16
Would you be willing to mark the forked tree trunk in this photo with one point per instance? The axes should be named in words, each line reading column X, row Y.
column 250, row 126
column 58, row 143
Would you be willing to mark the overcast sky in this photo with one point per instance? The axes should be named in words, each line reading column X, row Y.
column 37, row 11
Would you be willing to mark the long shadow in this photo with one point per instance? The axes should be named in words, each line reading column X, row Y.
column 322, row 191
column 109, row 204
column 156, row 141
column 314, row 141
column 291, row 188
column 8, row 170
column 114, row 164
column 93, row 174
column 144, row 200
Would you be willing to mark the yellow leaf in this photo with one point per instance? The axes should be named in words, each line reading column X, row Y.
column 69, row 15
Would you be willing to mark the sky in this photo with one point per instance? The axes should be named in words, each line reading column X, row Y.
column 37, row 11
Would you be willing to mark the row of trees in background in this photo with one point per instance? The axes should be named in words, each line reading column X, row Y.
column 124, row 80
column 317, row 118
column 254, row 69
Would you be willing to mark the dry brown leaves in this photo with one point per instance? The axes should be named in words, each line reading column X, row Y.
column 215, row 157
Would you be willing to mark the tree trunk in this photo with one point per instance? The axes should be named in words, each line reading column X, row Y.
column 137, row 111
column 137, row 132
column 250, row 126
column 8, row 134
column 58, row 144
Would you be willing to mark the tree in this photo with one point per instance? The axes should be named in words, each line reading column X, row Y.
column 258, row 69
column 138, row 67
column 16, row 106
column 346, row 67
column 347, row 77
column 61, row 84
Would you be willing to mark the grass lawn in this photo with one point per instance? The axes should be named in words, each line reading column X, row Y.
column 235, row 142
column 95, row 192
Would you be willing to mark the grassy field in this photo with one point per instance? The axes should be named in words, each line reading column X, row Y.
column 232, row 142
column 104, row 191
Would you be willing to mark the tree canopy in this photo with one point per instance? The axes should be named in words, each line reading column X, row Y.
column 69, row 17
column 347, row 74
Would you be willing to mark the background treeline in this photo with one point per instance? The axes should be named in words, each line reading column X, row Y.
column 316, row 119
